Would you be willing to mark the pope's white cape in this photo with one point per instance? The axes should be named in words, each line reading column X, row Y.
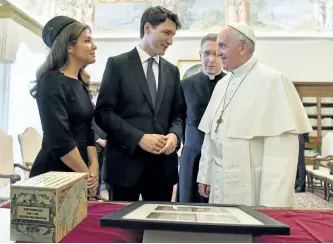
column 266, row 114
column 266, row 104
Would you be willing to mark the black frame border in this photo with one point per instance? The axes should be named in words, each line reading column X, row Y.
column 270, row 227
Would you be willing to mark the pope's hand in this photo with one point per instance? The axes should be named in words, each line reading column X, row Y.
column 204, row 190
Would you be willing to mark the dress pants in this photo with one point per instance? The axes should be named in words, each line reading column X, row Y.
column 152, row 185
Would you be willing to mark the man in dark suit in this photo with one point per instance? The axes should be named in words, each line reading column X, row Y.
column 301, row 169
column 139, row 107
column 197, row 91
column 100, row 139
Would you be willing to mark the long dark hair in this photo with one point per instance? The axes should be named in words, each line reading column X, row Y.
column 58, row 57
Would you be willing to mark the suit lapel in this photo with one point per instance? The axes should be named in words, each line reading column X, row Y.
column 162, row 80
column 139, row 74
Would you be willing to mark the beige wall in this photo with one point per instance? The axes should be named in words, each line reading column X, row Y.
column 301, row 59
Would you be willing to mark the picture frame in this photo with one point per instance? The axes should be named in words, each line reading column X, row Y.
column 188, row 67
column 162, row 216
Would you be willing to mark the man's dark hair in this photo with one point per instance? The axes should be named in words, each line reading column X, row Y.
column 209, row 37
column 157, row 15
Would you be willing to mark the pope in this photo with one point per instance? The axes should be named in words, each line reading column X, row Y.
column 251, row 125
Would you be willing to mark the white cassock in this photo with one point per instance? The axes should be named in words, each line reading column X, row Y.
column 252, row 158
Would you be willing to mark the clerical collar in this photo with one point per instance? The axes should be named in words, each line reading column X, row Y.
column 212, row 77
column 245, row 67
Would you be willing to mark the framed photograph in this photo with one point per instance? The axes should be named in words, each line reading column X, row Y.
column 195, row 217
column 188, row 68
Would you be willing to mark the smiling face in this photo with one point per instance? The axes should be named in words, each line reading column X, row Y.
column 233, row 53
column 160, row 37
column 83, row 50
column 210, row 61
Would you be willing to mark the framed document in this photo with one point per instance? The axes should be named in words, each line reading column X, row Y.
column 195, row 218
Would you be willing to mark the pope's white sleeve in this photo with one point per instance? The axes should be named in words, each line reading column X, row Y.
column 279, row 170
column 205, row 165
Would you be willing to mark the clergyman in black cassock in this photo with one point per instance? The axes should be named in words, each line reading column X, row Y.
column 301, row 169
column 197, row 91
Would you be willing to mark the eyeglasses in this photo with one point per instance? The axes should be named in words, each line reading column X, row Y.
column 207, row 54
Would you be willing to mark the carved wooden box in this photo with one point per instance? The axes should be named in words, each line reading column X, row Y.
column 47, row 207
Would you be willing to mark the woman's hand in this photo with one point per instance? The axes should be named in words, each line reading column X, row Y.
column 93, row 177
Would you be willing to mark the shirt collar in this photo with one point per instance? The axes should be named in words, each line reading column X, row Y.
column 245, row 67
column 145, row 56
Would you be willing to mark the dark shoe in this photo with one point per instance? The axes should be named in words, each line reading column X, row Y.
column 299, row 189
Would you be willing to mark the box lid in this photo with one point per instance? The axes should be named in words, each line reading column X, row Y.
column 51, row 180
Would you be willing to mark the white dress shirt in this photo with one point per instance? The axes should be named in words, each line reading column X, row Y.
column 144, row 61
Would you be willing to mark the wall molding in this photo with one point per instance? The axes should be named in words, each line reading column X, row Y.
column 197, row 35
column 10, row 11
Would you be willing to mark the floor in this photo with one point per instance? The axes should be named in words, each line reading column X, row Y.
column 313, row 200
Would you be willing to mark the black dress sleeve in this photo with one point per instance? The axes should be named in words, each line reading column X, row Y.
column 91, row 135
column 52, row 103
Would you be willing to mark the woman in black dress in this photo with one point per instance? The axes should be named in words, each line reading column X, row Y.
column 64, row 105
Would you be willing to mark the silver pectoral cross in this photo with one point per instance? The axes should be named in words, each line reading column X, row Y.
column 218, row 122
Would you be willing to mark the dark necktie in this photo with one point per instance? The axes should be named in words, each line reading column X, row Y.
column 151, row 80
